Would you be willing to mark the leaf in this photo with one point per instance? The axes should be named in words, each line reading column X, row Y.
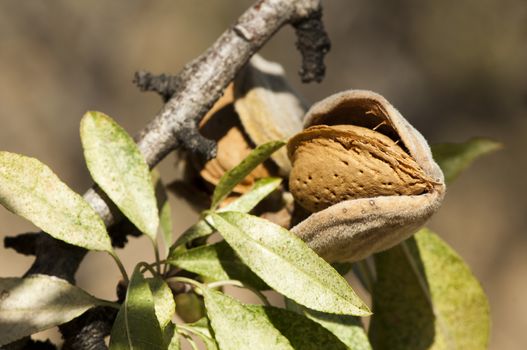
column 30, row 189
column 118, row 167
column 237, row 326
column 232, row 177
column 38, row 302
column 301, row 332
column 453, row 158
column 425, row 297
column 136, row 326
column 164, row 304
column 165, row 221
column 165, row 213
column 217, row 262
column 202, row 329
column 245, row 203
column 348, row 329
column 261, row 189
column 199, row 229
column 287, row 264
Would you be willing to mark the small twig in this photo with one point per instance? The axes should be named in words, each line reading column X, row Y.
column 313, row 43
column 165, row 85
column 24, row 243
column 194, row 142
column 89, row 330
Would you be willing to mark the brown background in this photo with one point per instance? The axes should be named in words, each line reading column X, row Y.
column 455, row 69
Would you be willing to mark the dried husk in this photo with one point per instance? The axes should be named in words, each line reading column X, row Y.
column 356, row 228
column 258, row 107
column 222, row 125
column 269, row 108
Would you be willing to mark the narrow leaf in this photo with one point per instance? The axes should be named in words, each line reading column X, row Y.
column 217, row 262
column 165, row 221
column 287, row 264
column 453, row 158
column 119, row 168
column 245, row 203
column 30, row 189
column 231, row 178
column 261, row 189
column 426, row 297
column 136, row 325
column 348, row 329
column 164, row 304
column 202, row 329
column 38, row 302
column 165, row 212
column 237, row 326
column 199, row 229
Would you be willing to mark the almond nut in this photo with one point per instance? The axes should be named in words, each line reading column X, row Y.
column 358, row 214
column 341, row 162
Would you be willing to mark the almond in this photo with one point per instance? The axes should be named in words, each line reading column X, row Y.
column 341, row 162
column 365, row 173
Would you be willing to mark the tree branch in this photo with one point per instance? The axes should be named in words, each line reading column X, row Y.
column 193, row 92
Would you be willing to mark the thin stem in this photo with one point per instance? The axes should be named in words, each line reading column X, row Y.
column 109, row 304
column 190, row 340
column 148, row 267
column 239, row 284
column 120, row 266
column 186, row 280
column 156, row 253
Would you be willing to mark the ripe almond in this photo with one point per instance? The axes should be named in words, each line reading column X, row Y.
column 341, row 162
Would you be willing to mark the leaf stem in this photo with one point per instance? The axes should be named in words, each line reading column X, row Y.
column 239, row 284
column 148, row 267
column 186, row 280
column 184, row 331
column 156, row 253
column 120, row 266
column 108, row 303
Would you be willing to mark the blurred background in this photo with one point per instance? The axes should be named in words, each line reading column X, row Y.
column 455, row 69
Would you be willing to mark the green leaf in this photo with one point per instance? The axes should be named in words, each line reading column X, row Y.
column 453, row 158
column 119, row 168
column 426, row 297
column 165, row 213
column 348, row 329
column 136, row 326
column 202, row 329
column 165, row 221
column 164, row 304
column 217, row 262
column 261, row 189
column 245, row 203
column 237, row 326
column 198, row 230
column 30, row 189
column 287, row 264
column 38, row 302
column 301, row 332
column 231, row 178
